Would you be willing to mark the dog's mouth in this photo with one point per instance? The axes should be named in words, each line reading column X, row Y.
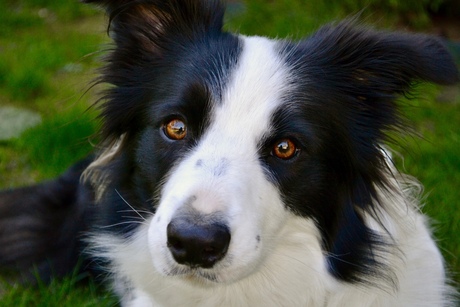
column 194, row 275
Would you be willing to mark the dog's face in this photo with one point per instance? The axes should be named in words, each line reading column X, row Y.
column 220, row 205
column 226, row 140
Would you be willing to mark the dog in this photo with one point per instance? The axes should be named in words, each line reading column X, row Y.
column 241, row 171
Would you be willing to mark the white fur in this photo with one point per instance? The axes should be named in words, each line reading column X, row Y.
column 287, row 267
column 293, row 273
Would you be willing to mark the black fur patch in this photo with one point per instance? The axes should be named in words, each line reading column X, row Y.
column 347, row 80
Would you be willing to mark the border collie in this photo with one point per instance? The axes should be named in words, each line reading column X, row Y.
column 241, row 171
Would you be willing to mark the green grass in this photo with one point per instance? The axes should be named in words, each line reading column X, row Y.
column 435, row 161
column 70, row 291
column 33, row 37
column 48, row 50
column 46, row 63
column 62, row 139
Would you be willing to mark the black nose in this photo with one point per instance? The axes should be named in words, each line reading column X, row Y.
column 197, row 245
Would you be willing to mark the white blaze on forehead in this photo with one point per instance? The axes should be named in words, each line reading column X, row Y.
column 225, row 159
column 252, row 94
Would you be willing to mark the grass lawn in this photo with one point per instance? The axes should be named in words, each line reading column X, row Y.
column 49, row 50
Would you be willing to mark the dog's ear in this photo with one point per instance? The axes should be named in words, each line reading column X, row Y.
column 148, row 25
column 381, row 63
column 358, row 74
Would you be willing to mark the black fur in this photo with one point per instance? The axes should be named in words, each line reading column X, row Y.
column 167, row 76
column 165, row 59
column 41, row 226
column 341, row 119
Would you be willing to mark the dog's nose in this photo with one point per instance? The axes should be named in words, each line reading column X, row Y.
column 197, row 245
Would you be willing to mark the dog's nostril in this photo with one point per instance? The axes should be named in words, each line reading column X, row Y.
column 209, row 250
column 175, row 244
column 201, row 245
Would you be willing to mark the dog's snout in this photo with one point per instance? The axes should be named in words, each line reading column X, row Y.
column 197, row 245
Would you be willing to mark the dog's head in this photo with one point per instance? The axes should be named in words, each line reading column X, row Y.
column 225, row 140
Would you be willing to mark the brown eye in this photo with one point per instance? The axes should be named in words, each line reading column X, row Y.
column 285, row 149
column 175, row 129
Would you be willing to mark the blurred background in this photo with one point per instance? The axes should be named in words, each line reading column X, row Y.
column 49, row 53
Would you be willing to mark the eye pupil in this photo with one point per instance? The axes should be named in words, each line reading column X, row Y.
column 285, row 149
column 175, row 129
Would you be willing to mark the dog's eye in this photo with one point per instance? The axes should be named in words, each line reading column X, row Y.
column 175, row 129
column 285, row 149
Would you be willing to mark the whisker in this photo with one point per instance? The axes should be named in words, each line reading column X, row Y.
column 140, row 211
column 137, row 212
column 122, row 223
